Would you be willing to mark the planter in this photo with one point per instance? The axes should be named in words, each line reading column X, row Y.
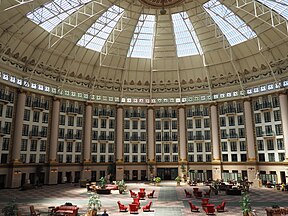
column 92, row 213
column 103, row 191
column 178, row 183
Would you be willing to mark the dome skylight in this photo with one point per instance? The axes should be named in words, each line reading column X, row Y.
column 98, row 33
column 186, row 39
column 280, row 6
column 142, row 41
column 234, row 29
column 51, row 14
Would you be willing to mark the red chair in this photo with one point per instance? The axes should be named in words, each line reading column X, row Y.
column 147, row 207
column 141, row 195
column 220, row 208
column 132, row 194
column 136, row 201
column 188, row 194
column 133, row 208
column 193, row 207
column 209, row 209
column 142, row 190
column 198, row 194
column 122, row 207
column 150, row 195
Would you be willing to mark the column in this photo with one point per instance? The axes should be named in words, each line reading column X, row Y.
column 151, row 142
column 15, row 171
column 151, row 134
column 87, row 133
column 53, row 170
column 284, row 118
column 182, row 140
column 18, row 126
column 250, row 142
column 216, row 160
column 86, row 172
column 119, row 147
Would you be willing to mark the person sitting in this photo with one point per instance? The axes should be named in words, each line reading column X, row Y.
column 105, row 213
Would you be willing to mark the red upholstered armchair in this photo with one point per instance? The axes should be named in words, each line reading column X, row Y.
column 150, row 195
column 220, row 208
column 193, row 207
column 133, row 208
column 147, row 207
column 136, row 201
column 122, row 208
column 132, row 194
column 207, row 193
column 188, row 194
column 66, row 210
column 209, row 209
column 141, row 195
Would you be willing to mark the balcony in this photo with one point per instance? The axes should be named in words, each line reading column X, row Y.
column 37, row 134
column 105, row 114
column 268, row 135
column 134, row 138
column 73, row 111
column 40, row 105
column 198, row 138
column 232, row 137
column 197, row 114
column 230, row 111
column 105, row 138
column 265, row 106
column 6, row 98
column 2, row 131
column 70, row 136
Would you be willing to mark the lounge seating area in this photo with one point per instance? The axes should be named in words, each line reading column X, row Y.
column 66, row 210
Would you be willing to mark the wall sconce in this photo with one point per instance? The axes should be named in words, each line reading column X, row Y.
column 54, row 170
column 251, row 168
column 17, row 172
column 87, row 169
column 120, row 168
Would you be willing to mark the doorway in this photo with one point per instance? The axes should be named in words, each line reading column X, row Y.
column 2, row 181
column 167, row 173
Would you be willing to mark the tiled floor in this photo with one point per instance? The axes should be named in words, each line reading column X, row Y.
column 170, row 199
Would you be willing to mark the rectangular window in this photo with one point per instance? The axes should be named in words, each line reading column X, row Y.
column 224, row 157
column 224, row 146
column 175, row 158
column 190, row 147
column 26, row 115
column 45, row 117
column 234, row 158
column 208, row 157
column 260, row 145
column 103, row 123
column 79, row 122
column 191, row 158
column 166, row 125
column 62, row 120
column 102, row 148
column 102, row 159
column 24, row 145
column 68, row 158
column 43, row 145
column 174, row 148
column 166, row 148
column 261, row 157
column 267, row 116
column 33, row 145
column 281, row 156
column 166, row 158
column 259, row 131
column 143, row 124
column 42, row 158
column 208, row 147
column 94, row 147
column 4, row 158
column 278, row 129
column 189, row 123
column 242, row 146
column 222, row 121
column 158, row 158
column 241, row 132
column 9, row 111
column 25, row 130
column 174, row 124
column 110, row 148
column 5, row 145
column 240, row 120
column 23, row 158
column 70, row 120
column 199, row 158
column 198, row 123
column 158, row 125
column 158, row 148
column 243, row 157
column 143, row 148
column 206, row 123
column 270, row 144
column 207, row 135
column 231, row 121
column 78, row 147
column 257, row 118
column 280, row 144
column 134, row 148
column 223, row 134
column 77, row 158
column 233, row 146
column 134, row 124
column 277, row 115
column 32, row 158
column 69, row 147
column 271, row 157
column 36, row 116
column 7, row 128
column 95, row 123
column 199, row 147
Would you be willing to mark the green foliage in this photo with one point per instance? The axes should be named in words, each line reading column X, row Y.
column 121, row 185
column 94, row 202
column 178, row 179
column 103, row 182
column 157, row 179
column 245, row 203
column 10, row 209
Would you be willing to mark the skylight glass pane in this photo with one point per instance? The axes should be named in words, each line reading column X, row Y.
column 51, row 14
column 279, row 6
column 186, row 40
column 142, row 41
column 98, row 33
column 235, row 30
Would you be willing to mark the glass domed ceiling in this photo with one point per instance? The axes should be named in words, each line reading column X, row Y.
column 127, row 48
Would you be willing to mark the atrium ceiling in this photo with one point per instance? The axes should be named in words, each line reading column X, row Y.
column 127, row 48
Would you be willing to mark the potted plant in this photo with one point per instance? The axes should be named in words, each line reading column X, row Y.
column 102, row 189
column 94, row 204
column 10, row 209
column 121, row 186
column 157, row 180
column 178, row 180
column 245, row 204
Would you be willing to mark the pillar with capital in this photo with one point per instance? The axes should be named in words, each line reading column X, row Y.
column 284, row 117
column 119, row 143
column 182, row 170
column 150, row 141
column 53, row 174
column 15, row 177
column 216, row 161
column 250, row 140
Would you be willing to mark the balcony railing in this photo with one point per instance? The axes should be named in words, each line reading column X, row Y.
column 38, row 134
column 6, row 98
column 73, row 110
column 40, row 105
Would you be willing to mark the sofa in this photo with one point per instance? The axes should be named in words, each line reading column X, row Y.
column 66, row 210
column 111, row 187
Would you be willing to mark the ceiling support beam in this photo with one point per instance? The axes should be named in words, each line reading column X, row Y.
column 65, row 29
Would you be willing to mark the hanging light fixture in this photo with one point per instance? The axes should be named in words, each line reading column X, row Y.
column 161, row 4
column 162, row 10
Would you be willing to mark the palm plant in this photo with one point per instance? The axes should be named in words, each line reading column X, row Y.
column 94, row 202
column 245, row 204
